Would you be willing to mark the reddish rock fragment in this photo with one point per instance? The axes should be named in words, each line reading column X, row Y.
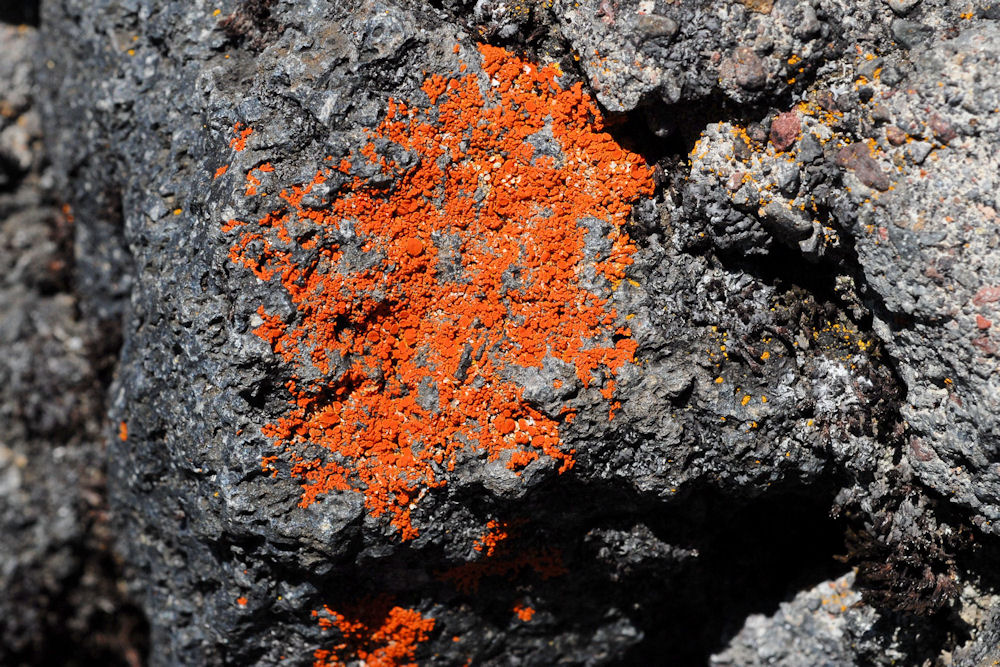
column 735, row 181
column 785, row 130
column 987, row 346
column 943, row 131
column 988, row 294
column 745, row 69
column 826, row 101
column 983, row 323
column 921, row 452
column 896, row 136
column 858, row 159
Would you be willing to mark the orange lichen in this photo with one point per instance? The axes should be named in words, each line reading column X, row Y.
column 496, row 532
column 221, row 171
column 267, row 465
column 523, row 612
column 239, row 142
column 241, row 601
column 253, row 181
column 391, row 643
column 122, row 431
column 470, row 263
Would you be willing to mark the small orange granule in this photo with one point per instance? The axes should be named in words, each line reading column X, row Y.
column 239, row 142
column 221, row 171
column 523, row 612
column 397, row 324
column 392, row 643
column 122, row 431
column 414, row 247
column 241, row 601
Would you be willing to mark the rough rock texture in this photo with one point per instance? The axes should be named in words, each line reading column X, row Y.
column 902, row 175
column 57, row 575
column 825, row 625
column 667, row 52
column 594, row 351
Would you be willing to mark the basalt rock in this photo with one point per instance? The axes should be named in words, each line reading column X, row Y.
column 494, row 333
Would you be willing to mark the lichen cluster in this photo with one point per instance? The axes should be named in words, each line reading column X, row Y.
column 382, row 332
column 378, row 333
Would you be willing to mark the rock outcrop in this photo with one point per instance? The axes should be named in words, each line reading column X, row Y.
column 502, row 332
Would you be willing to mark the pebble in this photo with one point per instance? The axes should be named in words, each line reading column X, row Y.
column 747, row 69
column 943, row 130
column 857, row 158
column 918, row 151
column 654, row 26
column 901, row 7
column 785, row 129
column 910, row 33
column 895, row 136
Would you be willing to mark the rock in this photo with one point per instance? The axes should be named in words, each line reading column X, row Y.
column 745, row 68
column 653, row 26
column 828, row 624
column 809, row 149
column 902, row 7
column 943, row 130
column 420, row 356
column 785, row 129
column 937, row 413
column 676, row 53
column 895, row 136
column 857, row 157
column 918, row 151
column 910, row 33
column 56, row 570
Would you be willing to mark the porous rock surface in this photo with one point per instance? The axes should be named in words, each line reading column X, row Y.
column 808, row 313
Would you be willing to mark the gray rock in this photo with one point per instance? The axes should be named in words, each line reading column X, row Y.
column 826, row 625
column 651, row 26
column 910, row 33
column 902, row 7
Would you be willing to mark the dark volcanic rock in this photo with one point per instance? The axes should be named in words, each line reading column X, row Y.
column 58, row 577
column 417, row 361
